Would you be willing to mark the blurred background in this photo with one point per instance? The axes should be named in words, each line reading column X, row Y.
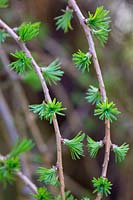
column 16, row 93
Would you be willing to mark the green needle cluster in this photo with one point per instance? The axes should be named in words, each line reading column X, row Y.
column 42, row 194
column 99, row 22
column 22, row 63
column 11, row 163
column 102, row 186
column 64, row 21
column 52, row 73
column 75, row 145
column 106, row 110
column 93, row 146
column 120, row 152
column 93, row 95
column 28, row 31
column 8, row 168
column 48, row 175
column 48, row 110
column 82, row 60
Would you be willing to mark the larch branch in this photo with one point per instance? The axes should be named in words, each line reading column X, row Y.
column 107, row 141
column 47, row 98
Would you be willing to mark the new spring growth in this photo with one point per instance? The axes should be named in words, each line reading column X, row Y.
column 93, row 146
column 120, row 151
column 75, row 145
column 48, row 110
column 22, row 62
column 93, row 95
column 52, row 73
column 106, row 110
column 82, row 60
column 64, row 21
column 102, row 186
column 42, row 194
column 10, row 164
column 28, row 31
column 48, row 175
column 99, row 22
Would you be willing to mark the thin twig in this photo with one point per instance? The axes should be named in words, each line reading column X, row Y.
column 27, row 181
column 30, row 118
column 47, row 98
column 87, row 30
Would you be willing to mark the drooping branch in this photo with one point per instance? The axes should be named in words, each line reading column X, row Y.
column 47, row 98
column 107, row 141
column 25, row 179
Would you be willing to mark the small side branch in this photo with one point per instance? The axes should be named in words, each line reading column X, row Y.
column 27, row 181
column 107, row 141
column 47, row 98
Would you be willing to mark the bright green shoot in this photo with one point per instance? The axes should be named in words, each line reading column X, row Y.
column 42, row 194
column 22, row 63
column 53, row 72
column 28, row 31
column 100, row 24
column 48, row 110
column 102, row 186
column 120, row 152
column 64, row 21
column 93, row 95
column 75, row 145
column 48, row 175
column 93, row 146
column 107, row 111
column 82, row 60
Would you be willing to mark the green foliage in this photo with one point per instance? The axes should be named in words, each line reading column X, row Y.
column 48, row 176
column 100, row 23
column 52, row 73
column 85, row 198
column 28, row 31
column 42, row 194
column 8, row 168
column 107, row 111
column 68, row 196
column 22, row 63
column 120, row 152
column 11, row 163
column 102, row 186
column 82, row 60
column 48, row 110
column 38, row 109
column 64, row 21
column 52, row 108
column 75, row 145
column 93, row 146
column 101, row 35
column 21, row 147
column 3, row 3
column 93, row 95
column 3, row 36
